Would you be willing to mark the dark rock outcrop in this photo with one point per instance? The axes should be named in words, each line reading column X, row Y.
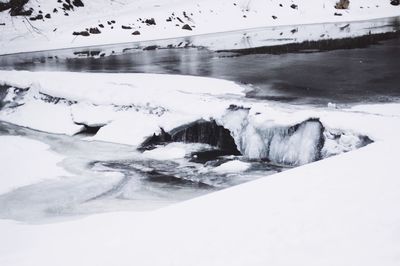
column 186, row 27
column 202, row 131
column 136, row 32
column 94, row 31
column 342, row 4
column 395, row 2
column 150, row 21
column 81, row 33
column 16, row 7
column 88, row 130
column 207, row 132
column 151, row 142
column 78, row 3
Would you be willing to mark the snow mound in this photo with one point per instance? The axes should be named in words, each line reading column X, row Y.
column 25, row 162
column 129, row 108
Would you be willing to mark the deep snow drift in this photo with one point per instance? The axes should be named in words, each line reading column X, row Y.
column 53, row 24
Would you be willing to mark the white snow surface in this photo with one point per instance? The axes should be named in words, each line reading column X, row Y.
column 25, row 162
column 235, row 166
column 118, row 100
column 203, row 16
column 131, row 107
column 339, row 211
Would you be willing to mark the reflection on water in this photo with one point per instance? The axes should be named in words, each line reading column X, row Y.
column 304, row 76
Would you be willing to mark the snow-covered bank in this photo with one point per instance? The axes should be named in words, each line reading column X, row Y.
column 129, row 108
column 25, row 162
column 109, row 22
column 340, row 211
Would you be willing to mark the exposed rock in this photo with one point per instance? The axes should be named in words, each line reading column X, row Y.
column 94, row 31
column 395, row 2
column 67, row 7
column 186, row 27
column 16, row 7
column 81, row 33
column 150, row 21
column 38, row 17
column 150, row 48
column 136, row 32
column 4, row 6
column 89, row 130
column 47, row 16
column 294, row 6
column 78, row 3
column 101, row 25
column 274, row 17
column 342, row 4
column 126, row 27
column 207, row 132
column 154, row 140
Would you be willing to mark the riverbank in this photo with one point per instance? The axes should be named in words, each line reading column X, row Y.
column 124, row 21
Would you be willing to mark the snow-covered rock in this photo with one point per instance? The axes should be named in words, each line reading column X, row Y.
column 130, row 108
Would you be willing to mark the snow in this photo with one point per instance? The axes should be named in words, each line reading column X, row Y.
column 25, row 162
column 131, row 107
column 139, row 97
column 390, row 109
column 204, row 16
column 174, row 151
column 340, row 211
column 232, row 167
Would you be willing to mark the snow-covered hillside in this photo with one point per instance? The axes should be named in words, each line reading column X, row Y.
column 64, row 24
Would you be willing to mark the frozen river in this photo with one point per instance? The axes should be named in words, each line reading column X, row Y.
column 113, row 177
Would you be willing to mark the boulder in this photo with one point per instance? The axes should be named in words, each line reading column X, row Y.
column 342, row 4
column 395, row 2
column 186, row 27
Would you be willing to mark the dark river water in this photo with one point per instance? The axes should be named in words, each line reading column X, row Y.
column 348, row 71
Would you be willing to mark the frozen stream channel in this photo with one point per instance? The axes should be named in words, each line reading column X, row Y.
column 112, row 177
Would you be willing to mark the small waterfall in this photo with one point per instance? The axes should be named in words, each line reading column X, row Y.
column 289, row 145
